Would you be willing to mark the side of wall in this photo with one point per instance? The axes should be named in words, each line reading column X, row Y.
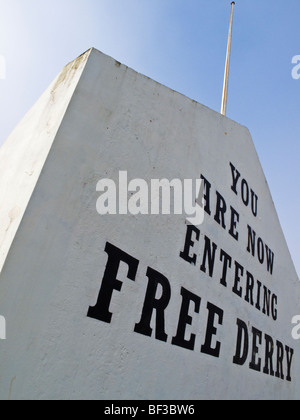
column 25, row 151
column 147, row 306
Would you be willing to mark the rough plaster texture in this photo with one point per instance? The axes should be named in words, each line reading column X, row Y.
column 101, row 119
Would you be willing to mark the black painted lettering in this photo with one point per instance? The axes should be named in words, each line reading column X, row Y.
column 267, row 301
column 221, row 209
column 255, row 363
column 289, row 356
column 280, row 356
column 239, row 271
column 189, row 243
column 270, row 259
column 226, row 263
column 254, row 200
column 258, row 295
column 251, row 241
column 206, row 195
column 245, row 192
column 211, row 331
column 274, row 307
column 235, row 177
column 209, row 254
column 260, row 250
column 268, row 368
column 110, row 282
column 249, row 288
column 185, row 319
column 273, row 357
column 153, row 303
column 242, row 343
column 235, row 218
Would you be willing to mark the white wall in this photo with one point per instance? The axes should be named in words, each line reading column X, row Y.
column 24, row 153
column 118, row 120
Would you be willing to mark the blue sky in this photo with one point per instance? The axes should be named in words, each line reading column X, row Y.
column 181, row 44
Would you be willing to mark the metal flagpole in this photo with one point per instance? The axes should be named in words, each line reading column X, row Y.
column 226, row 76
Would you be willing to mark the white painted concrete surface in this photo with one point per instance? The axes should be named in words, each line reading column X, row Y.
column 24, row 153
column 107, row 118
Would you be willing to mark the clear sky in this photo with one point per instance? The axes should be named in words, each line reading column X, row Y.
column 181, row 44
